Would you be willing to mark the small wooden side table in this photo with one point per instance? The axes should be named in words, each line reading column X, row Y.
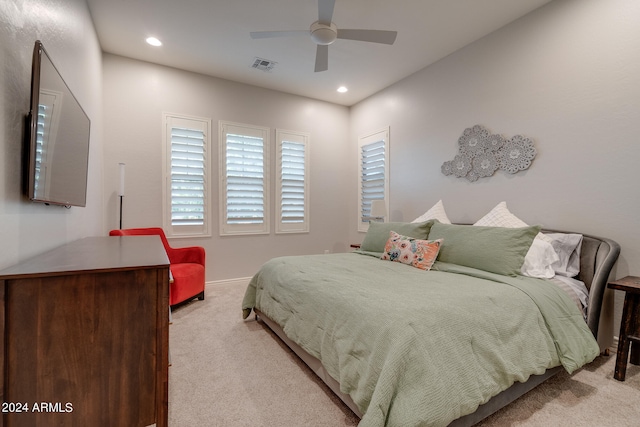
column 629, row 325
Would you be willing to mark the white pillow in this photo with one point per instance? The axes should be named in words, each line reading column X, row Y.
column 501, row 216
column 435, row 212
column 567, row 247
column 537, row 262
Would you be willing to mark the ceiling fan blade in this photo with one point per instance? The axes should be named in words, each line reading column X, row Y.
column 322, row 58
column 374, row 36
column 271, row 34
column 325, row 11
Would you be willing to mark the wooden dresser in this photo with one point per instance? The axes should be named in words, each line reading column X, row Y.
column 86, row 333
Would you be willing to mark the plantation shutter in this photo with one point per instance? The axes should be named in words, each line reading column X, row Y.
column 187, row 159
column 292, row 178
column 187, row 176
column 244, row 187
column 373, row 174
column 293, row 182
column 245, row 179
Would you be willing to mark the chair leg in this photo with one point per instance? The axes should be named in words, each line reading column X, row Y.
column 199, row 296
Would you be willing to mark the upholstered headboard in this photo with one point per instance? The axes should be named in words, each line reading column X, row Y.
column 597, row 258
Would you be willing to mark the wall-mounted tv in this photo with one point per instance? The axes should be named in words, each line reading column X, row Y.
column 57, row 138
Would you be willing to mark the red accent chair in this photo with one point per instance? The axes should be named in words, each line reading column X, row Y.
column 186, row 265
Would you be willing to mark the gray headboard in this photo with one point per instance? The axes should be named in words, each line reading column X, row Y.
column 597, row 258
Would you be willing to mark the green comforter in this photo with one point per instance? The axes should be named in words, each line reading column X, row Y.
column 414, row 347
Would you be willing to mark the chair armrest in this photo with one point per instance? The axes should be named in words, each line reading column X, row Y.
column 191, row 254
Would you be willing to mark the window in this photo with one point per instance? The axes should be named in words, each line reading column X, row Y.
column 373, row 166
column 292, row 197
column 187, row 189
column 244, row 178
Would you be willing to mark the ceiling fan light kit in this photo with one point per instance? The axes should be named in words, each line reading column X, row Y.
column 324, row 32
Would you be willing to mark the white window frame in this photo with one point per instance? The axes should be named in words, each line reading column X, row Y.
column 364, row 141
column 169, row 121
column 302, row 139
column 230, row 229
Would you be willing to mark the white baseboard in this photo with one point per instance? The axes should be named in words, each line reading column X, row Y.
column 240, row 281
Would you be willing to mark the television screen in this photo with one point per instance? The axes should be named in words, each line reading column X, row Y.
column 57, row 138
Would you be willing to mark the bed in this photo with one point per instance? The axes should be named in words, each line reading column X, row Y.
column 447, row 345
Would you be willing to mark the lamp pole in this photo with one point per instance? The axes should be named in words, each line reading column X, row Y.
column 121, row 190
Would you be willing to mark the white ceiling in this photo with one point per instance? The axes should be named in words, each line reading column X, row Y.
column 212, row 37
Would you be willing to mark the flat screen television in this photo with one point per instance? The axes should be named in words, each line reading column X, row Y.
column 57, row 138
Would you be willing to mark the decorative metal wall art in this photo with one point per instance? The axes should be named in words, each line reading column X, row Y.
column 480, row 154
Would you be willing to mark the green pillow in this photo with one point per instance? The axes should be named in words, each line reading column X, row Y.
column 378, row 233
column 495, row 249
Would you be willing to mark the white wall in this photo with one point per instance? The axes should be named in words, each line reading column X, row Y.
column 567, row 76
column 135, row 96
column 67, row 32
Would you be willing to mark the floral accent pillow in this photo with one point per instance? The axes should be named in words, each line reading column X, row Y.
column 408, row 250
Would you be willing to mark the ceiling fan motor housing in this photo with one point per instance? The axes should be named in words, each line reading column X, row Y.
column 323, row 34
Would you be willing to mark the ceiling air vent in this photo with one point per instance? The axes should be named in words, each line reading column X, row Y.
column 262, row 64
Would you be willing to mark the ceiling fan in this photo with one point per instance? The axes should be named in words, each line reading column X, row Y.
column 323, row 32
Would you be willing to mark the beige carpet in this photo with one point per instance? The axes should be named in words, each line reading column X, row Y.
column 232, row 372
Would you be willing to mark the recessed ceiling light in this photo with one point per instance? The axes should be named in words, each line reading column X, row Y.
column 342, row 89
column 154, row 41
